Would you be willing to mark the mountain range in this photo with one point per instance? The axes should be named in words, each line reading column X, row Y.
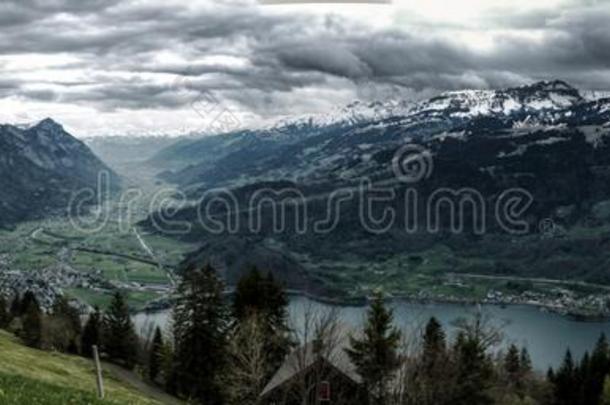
column 546, row 140
column 360, row 130
column 41, row 167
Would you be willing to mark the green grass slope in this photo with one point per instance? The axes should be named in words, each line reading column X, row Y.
column 16, row 390
column 29, row 376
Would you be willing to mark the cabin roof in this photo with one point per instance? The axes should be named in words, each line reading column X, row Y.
column 302, row 358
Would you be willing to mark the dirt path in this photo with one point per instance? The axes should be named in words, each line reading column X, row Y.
column 152, row 255
column 136, row 382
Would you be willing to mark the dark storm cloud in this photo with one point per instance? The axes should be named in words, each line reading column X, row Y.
column 393, row 58
column 8, row 87
column 576, row 40
column 282, row 53
column 12, row 14
column 398, row 54
column 9, row 84
column 336, row 59
column 127, row 94
column 39, row 95
column 17, row 13
column 576, row 46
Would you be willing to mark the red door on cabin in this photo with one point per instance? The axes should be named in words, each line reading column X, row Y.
column 324, row 391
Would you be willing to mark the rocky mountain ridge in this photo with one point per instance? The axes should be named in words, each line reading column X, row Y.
column 41, row 166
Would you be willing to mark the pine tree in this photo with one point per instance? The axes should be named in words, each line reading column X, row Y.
column 565, row 386
column 434, row 343
column 201, row 321
column 433, row 381
column 248, row 297
column 119, row 338
column 550, row 375
column 155, row 357
column 525, row 361
column 257, row 294
column 167, row 368
column 375, row 355
column 583, row 381
column 32, row 323
column 474, row 368
column 512, row 363
column 62, row 308
column 4, row 314
column 599, row 367
column 514, row 370
column 264, row 298
column 29, row 298
column 15, row 310
column 92, row 333
column 64, row 326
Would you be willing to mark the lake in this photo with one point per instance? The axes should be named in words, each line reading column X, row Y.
column 546, row 335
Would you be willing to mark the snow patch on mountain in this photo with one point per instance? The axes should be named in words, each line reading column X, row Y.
column 543, row 101
column 549, row 141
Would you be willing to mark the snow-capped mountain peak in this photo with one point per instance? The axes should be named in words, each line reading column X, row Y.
column 540, row 98
column 349, row 114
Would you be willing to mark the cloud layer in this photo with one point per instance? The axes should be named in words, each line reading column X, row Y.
column 127, row 66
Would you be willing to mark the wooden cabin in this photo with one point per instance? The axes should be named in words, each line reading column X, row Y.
column 311, row 375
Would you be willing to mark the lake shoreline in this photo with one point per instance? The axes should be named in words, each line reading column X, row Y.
column 546, row 334
column 362, row 301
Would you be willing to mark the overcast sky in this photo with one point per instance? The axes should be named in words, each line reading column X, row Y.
column 135, row 67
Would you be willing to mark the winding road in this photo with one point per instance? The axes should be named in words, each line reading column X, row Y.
column 152, row 255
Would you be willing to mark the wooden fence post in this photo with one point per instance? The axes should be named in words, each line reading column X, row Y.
column 98, row 369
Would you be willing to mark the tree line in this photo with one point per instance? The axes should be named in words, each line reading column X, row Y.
column 61, row 329
column 224, row 351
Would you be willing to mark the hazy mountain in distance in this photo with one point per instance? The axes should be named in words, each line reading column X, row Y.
column 41, row 166
column 120, row 150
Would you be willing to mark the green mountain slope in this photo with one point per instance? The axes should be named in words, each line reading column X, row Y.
column 15, row 390
column 37, row 377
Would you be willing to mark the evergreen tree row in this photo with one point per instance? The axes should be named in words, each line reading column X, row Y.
column 206, row 362
column 583, row 382
column 60, row 329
